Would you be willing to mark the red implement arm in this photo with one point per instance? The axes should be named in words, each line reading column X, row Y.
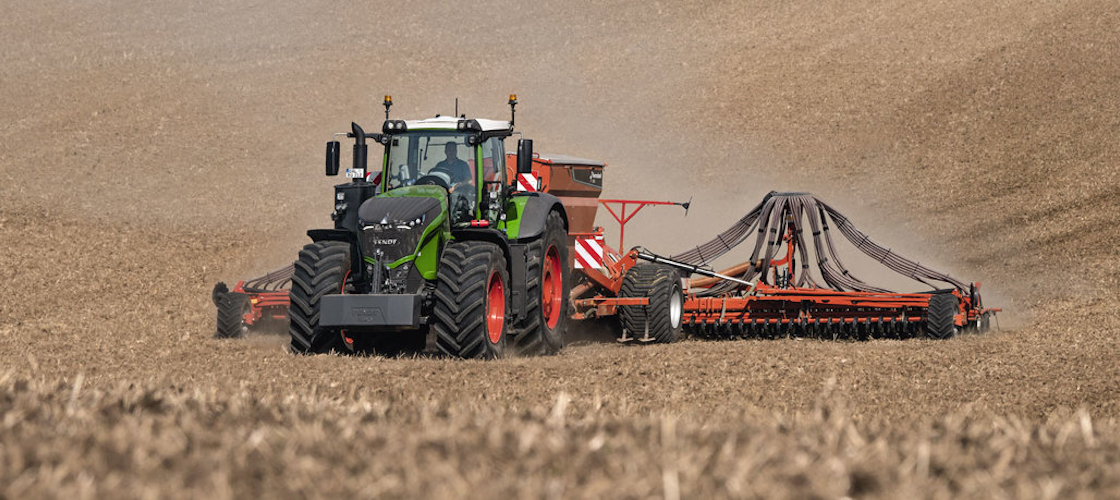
column 622, row 217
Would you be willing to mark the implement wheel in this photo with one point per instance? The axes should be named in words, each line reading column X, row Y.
column 320, row 270
column 471, row 312
column 939, row 318
column 232, row 308
column 661, row 319
column 541, row 331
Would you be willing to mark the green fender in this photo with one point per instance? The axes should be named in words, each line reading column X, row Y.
column 527, row 214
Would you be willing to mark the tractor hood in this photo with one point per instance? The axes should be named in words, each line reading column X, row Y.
column 396, row 211
column 397, row 225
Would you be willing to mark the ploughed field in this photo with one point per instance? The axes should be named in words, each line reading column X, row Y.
column 147, row 152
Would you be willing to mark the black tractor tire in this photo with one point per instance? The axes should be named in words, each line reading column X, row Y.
column 320, row 270
column 939, row 317
column 232, row 307
column 662, row 317
column 467, row 319
column 541, row 330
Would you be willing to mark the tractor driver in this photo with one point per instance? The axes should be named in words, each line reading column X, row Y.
column 457, row 169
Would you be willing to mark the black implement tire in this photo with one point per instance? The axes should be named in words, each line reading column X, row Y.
column 541, row 330
column 320, row 270
column 232, row 307
column 939, row 317
column 663, row 315
column 468, row 320
column 220, row 290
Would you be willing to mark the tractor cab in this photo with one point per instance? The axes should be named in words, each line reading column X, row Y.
column 464, row 157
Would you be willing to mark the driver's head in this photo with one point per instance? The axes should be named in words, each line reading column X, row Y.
column 451, row 149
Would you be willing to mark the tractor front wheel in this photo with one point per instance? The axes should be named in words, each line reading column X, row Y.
column 471, row 311
column 320, row 270
column 541, row 331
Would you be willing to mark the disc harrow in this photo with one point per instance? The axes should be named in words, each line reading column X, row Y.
column 783, row 290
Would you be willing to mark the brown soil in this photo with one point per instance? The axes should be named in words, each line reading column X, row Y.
column 149, row 151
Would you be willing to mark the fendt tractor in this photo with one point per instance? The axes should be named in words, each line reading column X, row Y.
column 445, row 236
column 440, row 241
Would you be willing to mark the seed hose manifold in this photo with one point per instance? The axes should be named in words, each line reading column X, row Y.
column 787, row 216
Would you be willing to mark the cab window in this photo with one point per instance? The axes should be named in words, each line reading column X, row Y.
column 442, row 159
column 493, row 178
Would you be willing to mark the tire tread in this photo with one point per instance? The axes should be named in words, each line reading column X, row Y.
column 459, row 315
column 939, row 323
column 319, row 270
column 656, row 282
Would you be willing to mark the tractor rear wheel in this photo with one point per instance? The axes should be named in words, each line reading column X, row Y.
column 472, row 301
column 320, row 270
column 661, row 319
column 541, row 331
column 232, row 308
column 943, row 307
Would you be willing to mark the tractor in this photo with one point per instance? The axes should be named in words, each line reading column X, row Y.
column 434, row 238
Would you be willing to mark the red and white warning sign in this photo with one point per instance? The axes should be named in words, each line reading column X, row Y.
column 526, row 182
column 589, row 253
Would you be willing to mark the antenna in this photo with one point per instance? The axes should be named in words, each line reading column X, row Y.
column 456, row 106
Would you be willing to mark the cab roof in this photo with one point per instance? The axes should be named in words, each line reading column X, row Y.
column 452, row 123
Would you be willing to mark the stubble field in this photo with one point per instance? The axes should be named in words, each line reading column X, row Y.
column 148, row 151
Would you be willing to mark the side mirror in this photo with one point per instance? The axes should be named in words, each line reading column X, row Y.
column 525, row 156
column 333, row 149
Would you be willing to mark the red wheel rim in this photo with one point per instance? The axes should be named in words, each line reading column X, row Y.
column 495, row 307
column 552, row 288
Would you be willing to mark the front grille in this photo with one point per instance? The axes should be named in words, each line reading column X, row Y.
column 393, row 242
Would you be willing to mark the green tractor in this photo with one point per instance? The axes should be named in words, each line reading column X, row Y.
column 440, row 242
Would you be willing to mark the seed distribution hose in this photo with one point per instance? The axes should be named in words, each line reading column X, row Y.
column 795, row 214
column 276, row 280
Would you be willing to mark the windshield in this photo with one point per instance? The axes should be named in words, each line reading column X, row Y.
column 439, row 158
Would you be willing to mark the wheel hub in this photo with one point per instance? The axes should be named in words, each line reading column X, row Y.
column 676, row 309
column 495, row 307
column 552, row 288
